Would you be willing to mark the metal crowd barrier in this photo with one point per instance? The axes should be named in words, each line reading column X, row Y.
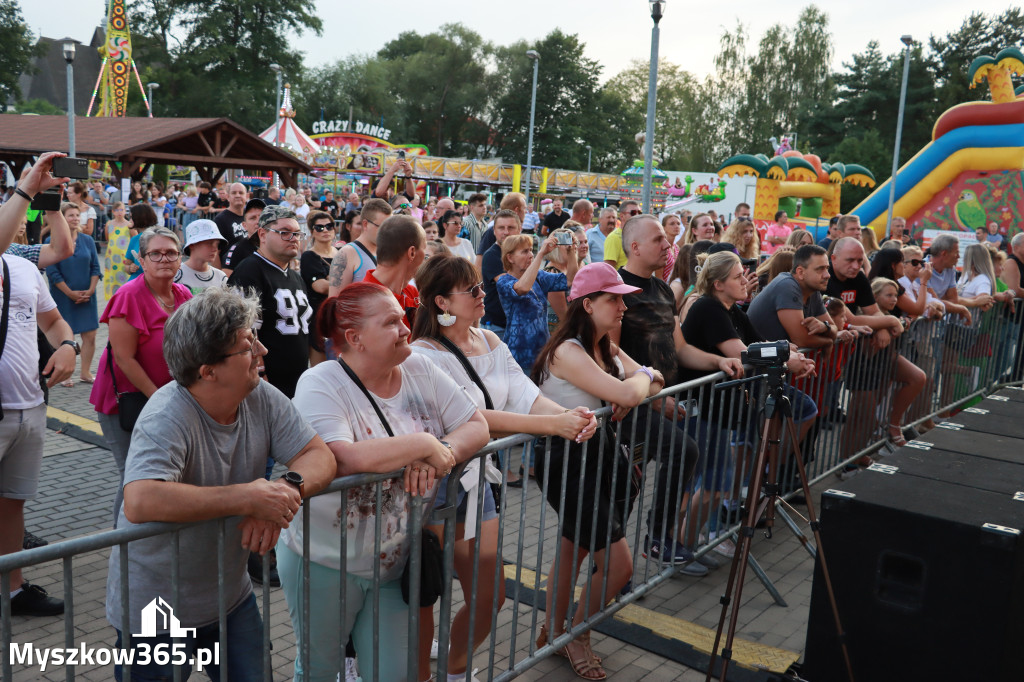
column 642, row 453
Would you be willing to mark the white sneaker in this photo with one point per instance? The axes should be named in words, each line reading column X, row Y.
column 465, row 678
column 351, row 671
column 726, row 548
column 433, row 651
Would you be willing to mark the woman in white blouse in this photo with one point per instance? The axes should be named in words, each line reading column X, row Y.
column 435, row 426
column 450, row 226
column 977, row 286
column 451, row 303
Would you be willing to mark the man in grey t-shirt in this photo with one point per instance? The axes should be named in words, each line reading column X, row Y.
column 790, row 307
column 198, row 453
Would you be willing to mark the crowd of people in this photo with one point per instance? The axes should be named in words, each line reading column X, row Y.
column 335, row 338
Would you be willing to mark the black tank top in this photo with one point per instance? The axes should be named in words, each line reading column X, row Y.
column 1020, row 267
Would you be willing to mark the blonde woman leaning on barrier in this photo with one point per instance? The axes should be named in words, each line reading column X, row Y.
column 580, row 365
column 451, row 304
column 435, row 426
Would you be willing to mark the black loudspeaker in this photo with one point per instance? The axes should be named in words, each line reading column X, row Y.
column 928, row 574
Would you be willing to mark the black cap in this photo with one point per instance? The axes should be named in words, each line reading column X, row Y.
column 254, row 203
column 722, row 246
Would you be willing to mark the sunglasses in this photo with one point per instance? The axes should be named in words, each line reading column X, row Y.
column 474, row 291
column 635, row 211
column 916, row 262
column 323, row 227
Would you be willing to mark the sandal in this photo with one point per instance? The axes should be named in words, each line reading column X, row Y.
column 587, row 666
column 543, row 639
column 70, row 383
column 898, row 440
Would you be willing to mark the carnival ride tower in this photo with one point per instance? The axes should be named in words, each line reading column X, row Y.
column 117, row 66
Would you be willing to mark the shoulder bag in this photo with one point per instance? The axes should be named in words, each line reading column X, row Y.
column 129, row 403
column 432, row 578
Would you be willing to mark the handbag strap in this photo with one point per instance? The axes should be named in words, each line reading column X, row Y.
column 6, row 314
column 457, row 352
column 360, row 245
column 376, row 408
column 110, row 365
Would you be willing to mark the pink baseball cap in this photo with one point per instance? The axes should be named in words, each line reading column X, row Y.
column 599, row 277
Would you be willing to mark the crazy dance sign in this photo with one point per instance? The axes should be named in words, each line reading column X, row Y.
column 358, row 150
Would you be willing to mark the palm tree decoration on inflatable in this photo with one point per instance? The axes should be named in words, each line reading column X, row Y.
column 784, row 178
column 999, row 72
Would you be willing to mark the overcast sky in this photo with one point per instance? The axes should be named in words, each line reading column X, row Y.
column 614, row 31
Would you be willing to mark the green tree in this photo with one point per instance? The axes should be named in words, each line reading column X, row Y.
column 38, row 106
column 221, row 64
column 18, row 47
column 679, row 124
column 759, row 96
column 952, row 54
column 359, row 82
column 567, row 116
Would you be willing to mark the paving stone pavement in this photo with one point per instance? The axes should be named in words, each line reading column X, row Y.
column 76, row 493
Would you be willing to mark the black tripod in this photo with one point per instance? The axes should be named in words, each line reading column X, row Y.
column 777, row 410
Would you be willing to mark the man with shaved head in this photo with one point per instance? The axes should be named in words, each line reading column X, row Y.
column 583, row 212
column 231, row 221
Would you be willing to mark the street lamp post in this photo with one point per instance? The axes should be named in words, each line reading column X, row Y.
column 151, row 87
column 276, row 68
column 535, row 56
column 657, row 12
column 590, row 151
column 908, row 41
column 69, row 57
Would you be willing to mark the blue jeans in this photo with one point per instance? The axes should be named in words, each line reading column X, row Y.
column 328, row 632
column 242, row 662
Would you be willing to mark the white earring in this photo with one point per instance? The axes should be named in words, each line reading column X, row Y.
column 445, row 320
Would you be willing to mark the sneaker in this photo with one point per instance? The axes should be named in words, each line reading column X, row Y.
column 726, row 548
column 711, row 560
column 433, row 651
column 847, row 472
column 33, row 601
column 255, row 567
column 667, row 551
column 694, row 569
column 32, row 541
column 351, row 671
column 627, row 588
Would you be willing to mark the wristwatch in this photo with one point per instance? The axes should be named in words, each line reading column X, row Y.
column 295, row 478
column 73, row 344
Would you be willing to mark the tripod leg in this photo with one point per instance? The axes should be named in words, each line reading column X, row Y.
column 816, row 529
column 737, row 570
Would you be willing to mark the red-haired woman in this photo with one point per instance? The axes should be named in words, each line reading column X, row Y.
column 430, row 425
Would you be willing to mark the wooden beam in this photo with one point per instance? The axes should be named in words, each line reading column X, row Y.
column 204, row 173
column 216, row 142
column 218, row 174
column 128, row 170
column 202, row 138
column 288, row 177
column 225, row 161
column 229, row 145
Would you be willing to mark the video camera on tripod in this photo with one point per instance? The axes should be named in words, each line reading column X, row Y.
column 766, row 354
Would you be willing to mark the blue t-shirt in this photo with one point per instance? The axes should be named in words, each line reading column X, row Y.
column 133, row 248
column 526, row 329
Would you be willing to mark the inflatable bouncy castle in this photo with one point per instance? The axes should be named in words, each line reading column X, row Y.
column 799, row 184
column 969, row 175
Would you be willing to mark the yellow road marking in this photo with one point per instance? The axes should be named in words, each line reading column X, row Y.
column 73, row 419
column 748, row 654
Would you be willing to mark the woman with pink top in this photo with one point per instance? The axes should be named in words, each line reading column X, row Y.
column 777, row 233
